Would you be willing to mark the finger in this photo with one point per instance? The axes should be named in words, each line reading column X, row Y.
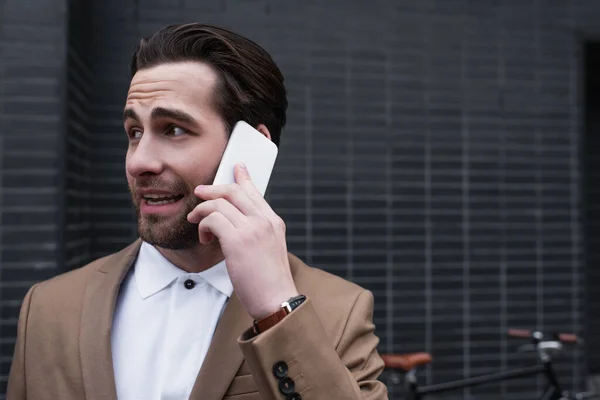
column 206, row 237
column 243, row 178
column 220, row 205
column 217, row 224
column 233, row 193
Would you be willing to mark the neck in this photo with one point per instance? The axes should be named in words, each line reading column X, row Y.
column 196, row 259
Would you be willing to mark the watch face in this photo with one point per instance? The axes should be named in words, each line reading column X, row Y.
column 296, row 301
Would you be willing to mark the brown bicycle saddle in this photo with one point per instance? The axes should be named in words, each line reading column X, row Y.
column 407, row 361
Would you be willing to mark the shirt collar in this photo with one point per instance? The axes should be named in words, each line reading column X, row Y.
column 218, row 277
column 153, row 272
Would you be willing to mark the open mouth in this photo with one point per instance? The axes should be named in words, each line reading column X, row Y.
column 159, row 200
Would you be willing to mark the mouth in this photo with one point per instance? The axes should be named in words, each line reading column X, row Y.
column 161, row 199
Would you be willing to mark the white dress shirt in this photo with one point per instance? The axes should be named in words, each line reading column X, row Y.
column 163, row 326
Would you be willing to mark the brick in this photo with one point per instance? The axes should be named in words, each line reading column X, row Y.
column 40, row 11
column 30, row 33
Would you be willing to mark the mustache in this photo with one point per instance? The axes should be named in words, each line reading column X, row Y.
column 178, row 186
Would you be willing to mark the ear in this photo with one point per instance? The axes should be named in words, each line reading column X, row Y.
column 264, row 130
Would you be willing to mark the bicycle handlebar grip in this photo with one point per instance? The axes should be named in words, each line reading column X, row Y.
column 568, row 338
column 519, row 333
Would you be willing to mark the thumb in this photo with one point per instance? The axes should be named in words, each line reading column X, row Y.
column 241, row 173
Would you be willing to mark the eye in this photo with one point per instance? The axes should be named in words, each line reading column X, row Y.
column 174, row 130
column 135, row 134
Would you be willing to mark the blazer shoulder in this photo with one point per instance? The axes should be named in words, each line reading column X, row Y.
column 333, row 297
column 317, row 281
column 72, row 282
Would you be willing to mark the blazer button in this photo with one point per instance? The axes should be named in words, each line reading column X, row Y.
column 293, row 396
column 286, row 386
column 280, row 370
column 189, row 284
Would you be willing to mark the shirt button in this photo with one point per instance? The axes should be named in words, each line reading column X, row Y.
column 189, row 284
column 280, row 370
column 286, row 386
column 293, row 396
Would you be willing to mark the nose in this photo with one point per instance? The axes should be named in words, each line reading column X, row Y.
column 144, row 158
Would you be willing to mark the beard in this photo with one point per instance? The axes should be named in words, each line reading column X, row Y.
column 172, row 232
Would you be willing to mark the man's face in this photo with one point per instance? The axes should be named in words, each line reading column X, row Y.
column 176, row 140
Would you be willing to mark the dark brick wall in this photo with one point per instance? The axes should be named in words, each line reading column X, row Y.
column 77, row 160
column 591, row 162
column 432, row 155
column 112, row 217
column 32, row 121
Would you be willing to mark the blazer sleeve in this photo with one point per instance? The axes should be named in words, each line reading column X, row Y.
column 16, row 389
column 319, row 369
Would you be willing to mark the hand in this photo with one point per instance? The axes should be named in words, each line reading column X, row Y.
column 252, row 238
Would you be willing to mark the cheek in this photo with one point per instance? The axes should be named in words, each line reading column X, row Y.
column 200, row 165
column 207, row 156
column 130, row 183
column 130, row 180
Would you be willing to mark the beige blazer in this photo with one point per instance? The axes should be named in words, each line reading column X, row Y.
column 63, row 348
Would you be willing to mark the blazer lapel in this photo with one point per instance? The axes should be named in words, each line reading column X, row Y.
column 96, row 322
column 224, row 356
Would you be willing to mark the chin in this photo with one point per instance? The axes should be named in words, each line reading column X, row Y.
column 168, row 233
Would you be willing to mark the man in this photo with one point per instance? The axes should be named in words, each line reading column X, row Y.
column 208, row 304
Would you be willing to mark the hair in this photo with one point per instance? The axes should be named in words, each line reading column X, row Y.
column 250, row 86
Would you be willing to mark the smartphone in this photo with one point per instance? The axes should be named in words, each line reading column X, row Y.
column 254, row 149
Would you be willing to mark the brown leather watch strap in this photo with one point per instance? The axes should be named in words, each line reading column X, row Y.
column 269, row 321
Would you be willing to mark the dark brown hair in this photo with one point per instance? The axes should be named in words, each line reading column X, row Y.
column 251, row 85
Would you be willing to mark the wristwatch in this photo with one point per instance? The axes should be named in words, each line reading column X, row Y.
column 270, row 320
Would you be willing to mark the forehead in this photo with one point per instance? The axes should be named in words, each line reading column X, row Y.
column 184, row 84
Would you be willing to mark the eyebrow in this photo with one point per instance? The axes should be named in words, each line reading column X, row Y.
column 128, row 113
column 161, row 112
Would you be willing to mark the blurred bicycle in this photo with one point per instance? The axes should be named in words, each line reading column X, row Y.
column 546, row 349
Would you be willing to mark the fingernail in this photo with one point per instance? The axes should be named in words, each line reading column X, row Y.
column 242, row 165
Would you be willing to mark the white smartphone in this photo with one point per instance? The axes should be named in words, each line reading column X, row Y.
column 254, row 149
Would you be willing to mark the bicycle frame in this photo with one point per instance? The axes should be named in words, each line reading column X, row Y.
column 544, row 349
column 552, row 392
